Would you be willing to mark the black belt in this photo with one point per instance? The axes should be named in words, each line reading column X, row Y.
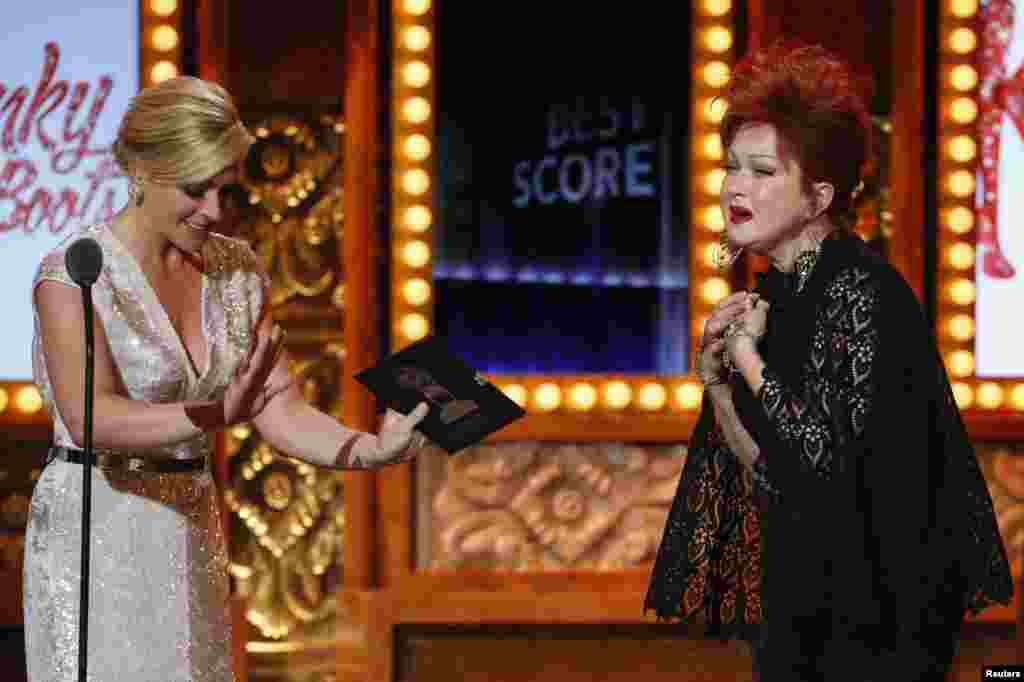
column 118, row 462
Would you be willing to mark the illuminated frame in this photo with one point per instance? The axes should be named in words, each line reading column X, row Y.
column 160, row 56
column 585, row 401
column 991, row 407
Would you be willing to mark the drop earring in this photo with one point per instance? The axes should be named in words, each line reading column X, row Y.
column 805, row 262
column 135, row 193
column 725, row 254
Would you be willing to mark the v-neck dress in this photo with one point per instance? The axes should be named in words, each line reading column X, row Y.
column 158, row 559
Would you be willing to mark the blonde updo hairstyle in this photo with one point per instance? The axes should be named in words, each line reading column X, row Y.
column 182, row 131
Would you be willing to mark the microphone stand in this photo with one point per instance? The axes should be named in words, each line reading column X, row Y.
column 87, row 458
column 84, row 262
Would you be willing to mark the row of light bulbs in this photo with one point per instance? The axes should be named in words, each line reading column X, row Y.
column 960, row 183
column 583, row 396
column 988, row 395
column 620, row 395
column 415, row 72
column 163, row 39
column 24, row 399
column 712, row 54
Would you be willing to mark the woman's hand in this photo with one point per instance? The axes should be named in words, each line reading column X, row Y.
column 250, row 389
column 747, row 329
column 398, row 441
column 728, row 309
column 710, row 361
column 741, row 345
column 710, row 365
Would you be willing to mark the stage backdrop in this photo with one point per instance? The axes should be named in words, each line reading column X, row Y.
column 68, row 72
column 562, row 245
column 562, row 239
column 1000, row 202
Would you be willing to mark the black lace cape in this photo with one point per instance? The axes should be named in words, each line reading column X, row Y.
column 867, row 486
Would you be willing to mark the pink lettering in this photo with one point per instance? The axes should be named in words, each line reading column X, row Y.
column 12, row 169
column 84, row 133
column 26, row 204
column 12, row 107
column 30, row 207
column 44, row 91
column 108, row 170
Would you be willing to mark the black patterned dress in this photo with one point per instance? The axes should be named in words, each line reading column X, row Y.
column 866, row 529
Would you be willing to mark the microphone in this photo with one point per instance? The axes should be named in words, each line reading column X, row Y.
column 84, row 260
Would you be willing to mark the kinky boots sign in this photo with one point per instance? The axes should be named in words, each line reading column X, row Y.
column 53, row 174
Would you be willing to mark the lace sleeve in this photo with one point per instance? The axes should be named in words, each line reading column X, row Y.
column 759, row 475
column 829, row 410
column 709, row 559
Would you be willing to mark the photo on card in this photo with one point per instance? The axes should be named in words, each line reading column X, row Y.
column 465, row 408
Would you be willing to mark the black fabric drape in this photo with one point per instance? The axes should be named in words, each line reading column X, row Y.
column 876, row 524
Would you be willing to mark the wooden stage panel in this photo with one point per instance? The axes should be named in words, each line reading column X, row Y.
column 566, row 654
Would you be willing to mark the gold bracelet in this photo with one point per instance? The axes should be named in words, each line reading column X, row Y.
column 206, row 416
column 713, row 381
column 346, row 457
column 731, row 328
column 750, row 335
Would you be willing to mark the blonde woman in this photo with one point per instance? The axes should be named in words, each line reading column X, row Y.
column 184, row 346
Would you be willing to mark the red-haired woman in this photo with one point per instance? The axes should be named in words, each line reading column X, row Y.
column 830, row 494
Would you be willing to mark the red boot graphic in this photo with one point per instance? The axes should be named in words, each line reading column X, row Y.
column 997, row 96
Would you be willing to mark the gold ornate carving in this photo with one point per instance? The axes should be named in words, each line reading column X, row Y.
column 528, row 506
column 288, row 517
column 531, row 506
column 1004, row 471
column 287, row 544
column 290, row 206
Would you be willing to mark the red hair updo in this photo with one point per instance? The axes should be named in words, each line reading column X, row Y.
column 817, row 106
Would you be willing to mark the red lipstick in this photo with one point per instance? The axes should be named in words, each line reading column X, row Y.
column 739, row 214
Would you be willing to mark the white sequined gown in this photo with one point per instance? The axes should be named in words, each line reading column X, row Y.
column 158, row 604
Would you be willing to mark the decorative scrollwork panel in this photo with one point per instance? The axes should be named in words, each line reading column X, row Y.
column 287, row 541
column 530, row 506
column 287, row 517
column 289, row 205
column 1003, row 466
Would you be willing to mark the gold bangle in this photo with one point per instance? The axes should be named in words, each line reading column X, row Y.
column 206, row 416
column 745, row 332
column 713, row 381
column 732, row 329
column 346, row 457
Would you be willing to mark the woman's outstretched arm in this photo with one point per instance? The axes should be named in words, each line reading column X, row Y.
column 120, row 422
column 297, row 429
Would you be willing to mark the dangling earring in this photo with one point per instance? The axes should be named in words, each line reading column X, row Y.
column 725, row 255
column 805, row 263
column 135, row 193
